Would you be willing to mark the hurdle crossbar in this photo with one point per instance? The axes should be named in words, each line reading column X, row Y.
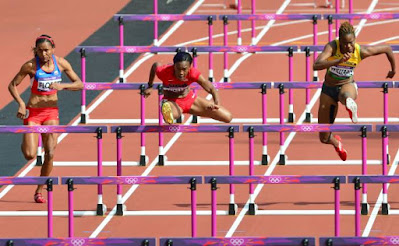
column 78, row 241
column 162, row 17
column 274, row 179
column 344, row 241
column 132, row 180
column 202, row 241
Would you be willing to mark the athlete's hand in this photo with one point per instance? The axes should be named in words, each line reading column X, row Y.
column 212, row 106
column 390, row 74
column 346, row 57
column 21, row 112
column 147, row 92
column 56, row 86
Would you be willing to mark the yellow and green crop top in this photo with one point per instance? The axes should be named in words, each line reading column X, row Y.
column 344, row 70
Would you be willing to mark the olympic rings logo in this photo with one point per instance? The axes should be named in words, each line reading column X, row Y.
column 132, row 50
column 306, row 128
column 174, row 128
column 90, row 86
column 42, row 129
column 394, row 240
column 165, row 17
column 242, row 49
column 275, row 180
column 77, row 241
column 237, row 241
column 269, row 17
column 131, row 180
column 374, row 16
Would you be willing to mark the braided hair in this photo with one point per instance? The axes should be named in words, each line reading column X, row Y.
column 345, row 29
column 182, row 56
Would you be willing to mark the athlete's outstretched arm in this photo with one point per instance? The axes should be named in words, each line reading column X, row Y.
column 322, row 61
column 377, row 50
column 147, row 92
column 12, row 88
column 76, row 84
column 208, row 87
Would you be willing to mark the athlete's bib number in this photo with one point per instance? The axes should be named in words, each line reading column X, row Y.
column 342, row 71
column 45, row 85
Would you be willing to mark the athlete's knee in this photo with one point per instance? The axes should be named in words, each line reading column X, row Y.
column 228, row 117
column 49, row 154
column 29, row 154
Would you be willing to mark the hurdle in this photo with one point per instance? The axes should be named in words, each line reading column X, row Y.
column 203, row 241
column 384, row 179
column 99, row 130
column 48, row 181
column 351, row 16
column 384, row 129
column 344, row 241
column 113, row 49
column 274, row 179
column 132, row 180
column 78, row 241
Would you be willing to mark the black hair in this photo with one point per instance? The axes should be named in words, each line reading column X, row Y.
column 182, row 56
column 44, row 38
column 346, row 28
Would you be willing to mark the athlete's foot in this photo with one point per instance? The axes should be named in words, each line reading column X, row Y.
column 167, row 113
column 351, row 107
column 39, row 198
column 340, row 149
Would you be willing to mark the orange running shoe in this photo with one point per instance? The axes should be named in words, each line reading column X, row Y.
column 351, row 107
column 340, row 149
column 39, row 198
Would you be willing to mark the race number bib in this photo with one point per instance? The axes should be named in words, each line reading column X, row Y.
column 341, row 71
column 44, row 84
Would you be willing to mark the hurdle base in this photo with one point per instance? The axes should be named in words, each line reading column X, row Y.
column 283, row 159
column 315, row 78
column 252, row 209
column 385, row 209
column 179, row 120
column 101, row 208
column 225, row 79
column 143, row 160
column 161, row 160
column 232, row 208
column 83, row 118
column 121, row 80
column 308, row 117
column 39, row 160
column 119, row 209
column 211, row 79
column 388, row 159
column 291, row 117
column 195, row 119
column 365, row 208
column 265, row 159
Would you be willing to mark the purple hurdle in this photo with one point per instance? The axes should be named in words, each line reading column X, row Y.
column 249, row 241
column 369, row 241
column 132, row 180
column 79, row 241
column 274, row 179
column 49, row 181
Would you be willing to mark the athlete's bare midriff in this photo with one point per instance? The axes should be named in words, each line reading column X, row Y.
column 173, row 94
column 43, row 101
column 330, row 81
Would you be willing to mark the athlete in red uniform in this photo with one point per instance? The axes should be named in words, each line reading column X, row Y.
column 179, row 98
column 44, row 71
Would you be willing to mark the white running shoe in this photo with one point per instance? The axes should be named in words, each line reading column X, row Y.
column 351, row 107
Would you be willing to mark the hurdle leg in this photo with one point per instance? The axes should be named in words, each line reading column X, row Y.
column 161, row 156
column 225, row 55
column 239, row 10
column 83, row 116
column 308, row 116
column 283, row 157
column 156, row 23
column 70, row 207
column 143, row 157
column 213, row 207
column 315, row 32
column 101, row 208
column 39, row 153
column 119, row 204
column 121, row 54
column 265, row 156
column 232, row 205
column 50, row 208
column 385, row 110
column 337, row 206
column 357, row 207
column 385, row 205
column 210, row 55
column 291, row 115
column 253, row 26
column 365, row 205
column 195, row 65
column 252, row 206
column 337, row 3
column 193, row 188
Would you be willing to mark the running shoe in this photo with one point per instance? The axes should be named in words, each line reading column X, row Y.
column 351, row 107
column 340, row 149
column 39, row 198
column 167, row 113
